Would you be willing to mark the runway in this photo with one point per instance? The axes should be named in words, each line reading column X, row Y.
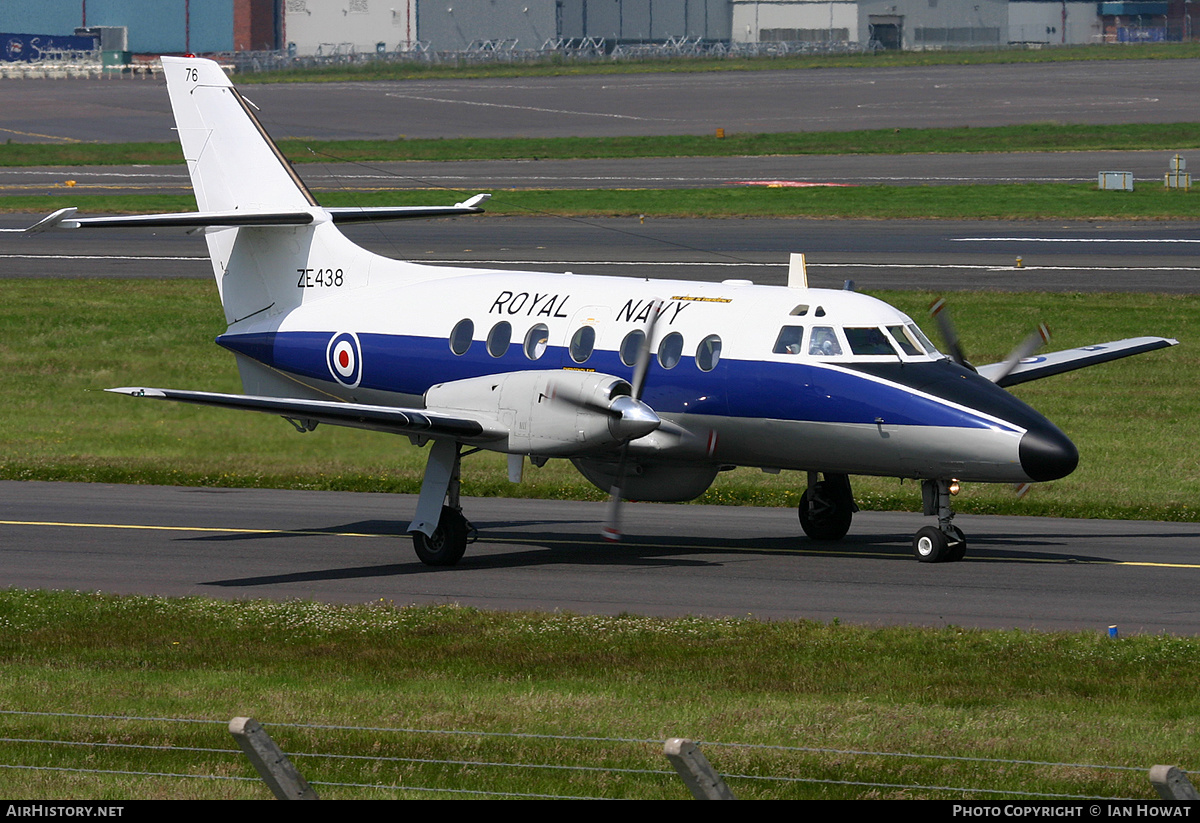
column 1083, row 256
column 1030, row 573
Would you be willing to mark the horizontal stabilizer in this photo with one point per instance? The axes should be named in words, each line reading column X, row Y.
column 66, row 219
column 1045, row 365
column 355, row 415
column 350, row 214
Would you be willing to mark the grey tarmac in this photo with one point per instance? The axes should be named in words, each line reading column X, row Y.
column 1027, row 573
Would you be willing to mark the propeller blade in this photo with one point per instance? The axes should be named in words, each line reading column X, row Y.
column 642, row 366
column 941, row 313
column 612, row 517
column 1039, row 337
column 635, row 417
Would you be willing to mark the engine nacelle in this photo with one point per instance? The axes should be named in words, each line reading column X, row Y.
column 662, row 482
column 549, row 413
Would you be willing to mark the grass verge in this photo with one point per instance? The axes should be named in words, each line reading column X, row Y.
column 1134, row 420
column 1040, row 699
column 1031, row 137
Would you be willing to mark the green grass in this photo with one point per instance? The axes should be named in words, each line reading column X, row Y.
column 370, row 71
column 1149, row 201
column 1134, row 421
column 1029, row 137
column 1008, row 695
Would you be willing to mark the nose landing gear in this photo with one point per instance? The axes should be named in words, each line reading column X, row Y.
column 944, row 543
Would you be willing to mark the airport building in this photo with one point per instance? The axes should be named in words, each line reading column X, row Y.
column 340, row 27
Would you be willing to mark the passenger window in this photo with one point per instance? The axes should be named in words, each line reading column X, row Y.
column 670, row 350
column 906, row 343
column 460, row 336
column 582, row 344
column 868, row 341
column 535, row 341
column 498, row 338
column 708, row 353
column 790, row 340
column 631, row 345
column 824, row 342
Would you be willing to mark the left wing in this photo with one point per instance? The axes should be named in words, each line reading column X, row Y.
column 305, row 414
column 1045, row 365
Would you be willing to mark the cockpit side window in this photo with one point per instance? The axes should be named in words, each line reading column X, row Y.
column 823, row 342
column 905, row 341
column 922, row 339
column 790, row 340
column 868, row 341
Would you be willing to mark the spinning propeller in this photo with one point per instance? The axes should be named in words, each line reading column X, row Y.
column 612, row 520
column 1039, row 337
column 1025, row 348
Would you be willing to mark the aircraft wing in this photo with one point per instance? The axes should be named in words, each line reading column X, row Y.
column 1045, row 365
column 305, row 414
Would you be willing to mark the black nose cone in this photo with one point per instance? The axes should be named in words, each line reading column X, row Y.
column 1047, row 454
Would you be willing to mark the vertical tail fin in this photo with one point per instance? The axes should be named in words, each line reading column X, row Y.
column 232, row 161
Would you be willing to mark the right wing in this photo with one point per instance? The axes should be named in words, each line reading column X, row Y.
column 1045, row 365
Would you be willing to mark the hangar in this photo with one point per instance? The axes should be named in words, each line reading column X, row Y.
column 344, row 27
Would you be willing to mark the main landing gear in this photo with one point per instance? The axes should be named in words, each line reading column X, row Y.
column 827, row 507
column 440, row 531
column 945, row 542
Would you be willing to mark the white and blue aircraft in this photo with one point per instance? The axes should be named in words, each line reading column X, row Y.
column 650, row 387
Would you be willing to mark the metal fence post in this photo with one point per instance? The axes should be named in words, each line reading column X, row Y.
column 697, row 774
column 285, row 782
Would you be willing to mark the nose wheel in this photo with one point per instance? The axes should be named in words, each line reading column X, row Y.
column 932, row 545
column 945, row 542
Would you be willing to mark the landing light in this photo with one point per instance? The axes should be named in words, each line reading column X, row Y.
column 954, row 487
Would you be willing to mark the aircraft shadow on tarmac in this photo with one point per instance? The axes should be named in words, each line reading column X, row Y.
column 565, row 547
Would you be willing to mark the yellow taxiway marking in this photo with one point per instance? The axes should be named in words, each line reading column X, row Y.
column 594, row 541
column 142, row 527
column 46, row 136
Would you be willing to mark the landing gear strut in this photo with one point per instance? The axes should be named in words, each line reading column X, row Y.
column 944, row 543
column 441, row 532
column 827, row 507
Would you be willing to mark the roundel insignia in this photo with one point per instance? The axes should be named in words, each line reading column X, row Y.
column 344, row 357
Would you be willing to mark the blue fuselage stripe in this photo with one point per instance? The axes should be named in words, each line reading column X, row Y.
column 800, row 391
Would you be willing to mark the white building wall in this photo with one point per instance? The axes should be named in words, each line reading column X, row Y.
column 322, row 26
column 751, row 17
column 1043, row 23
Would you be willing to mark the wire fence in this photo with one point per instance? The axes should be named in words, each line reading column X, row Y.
column 56, row 755
column 510, row 50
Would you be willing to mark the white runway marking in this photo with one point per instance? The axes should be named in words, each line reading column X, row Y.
column 97, row 257
column 513, row 106
column 1072, row 240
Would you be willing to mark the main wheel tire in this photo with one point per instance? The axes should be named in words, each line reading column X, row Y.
column 448, row 543
column 826, row 510
column 931, row 545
